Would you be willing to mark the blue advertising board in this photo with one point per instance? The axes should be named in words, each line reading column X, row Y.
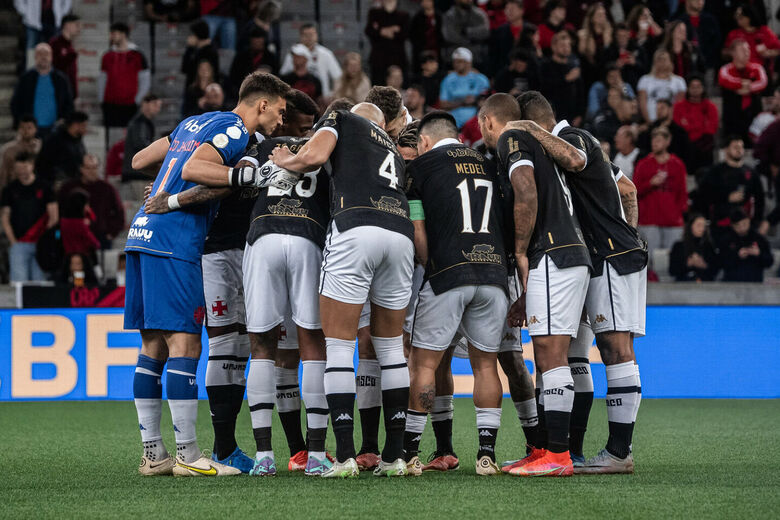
column 689, row 352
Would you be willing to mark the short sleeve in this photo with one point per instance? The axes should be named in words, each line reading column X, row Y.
column 617, row 173
column 584, row 145
column 514, row 150
column 330, row 122
column 229, row 140
column 643, row 83
column 444, row 90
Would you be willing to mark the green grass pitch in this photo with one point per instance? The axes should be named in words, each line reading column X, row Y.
column 694, row 459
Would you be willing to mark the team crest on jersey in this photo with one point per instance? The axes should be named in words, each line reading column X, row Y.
column 482, row 253
column 390, row 205
column 199, row 314
column 219, row 308
column 288, row 208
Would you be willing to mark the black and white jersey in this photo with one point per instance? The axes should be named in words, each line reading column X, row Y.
column 301, row 211
column 597, row 203
column 557, row 230
column 460, row 197
column 230, row 226
column 368, row 175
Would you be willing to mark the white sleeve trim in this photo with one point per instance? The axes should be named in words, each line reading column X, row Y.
column 521, row 162
column 619, row 175
column 251, row 159
column 328, row 129
column 584, row 156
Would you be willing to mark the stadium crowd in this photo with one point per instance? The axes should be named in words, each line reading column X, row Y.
column 683, row 96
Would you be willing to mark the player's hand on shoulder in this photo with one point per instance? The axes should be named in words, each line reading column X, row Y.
column 157, row 204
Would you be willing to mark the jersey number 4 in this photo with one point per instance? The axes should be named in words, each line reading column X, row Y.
column 465, row 202
column 387, row 170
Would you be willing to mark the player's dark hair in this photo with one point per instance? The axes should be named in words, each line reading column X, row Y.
column 77, row 116
column 24, row 157
column 298, row 101
column 259, row 84
column 534, row 106
column 200, row 29
column 438, row 123
column 28, row 118
column 408, row 136
column 503, row 107
column 387, row 99
column 119, row 26
column 340, row 104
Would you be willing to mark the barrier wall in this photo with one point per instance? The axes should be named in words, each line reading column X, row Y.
column 689, row 352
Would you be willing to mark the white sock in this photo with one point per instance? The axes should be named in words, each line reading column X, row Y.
column 526, row 412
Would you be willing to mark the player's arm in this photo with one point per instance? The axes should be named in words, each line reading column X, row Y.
column 525, row 210
column 206, row 167
column 628, row 200
column 564, row 154
column 150, row 158
column 312, row 156
column 417, row 216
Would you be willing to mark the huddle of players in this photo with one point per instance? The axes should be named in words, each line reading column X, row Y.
column 347, row 222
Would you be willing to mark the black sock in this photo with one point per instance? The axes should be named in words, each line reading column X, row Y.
column 541, row 428
column 291, row 422
column 315, row 439
column 394, row 404
column 619, row 441
column 369, row 427
column 342, row 413
column 262, row 439
column 223, row 417
column 579, row 421
column 487, row 442
column 442, row 430
column 557, row 431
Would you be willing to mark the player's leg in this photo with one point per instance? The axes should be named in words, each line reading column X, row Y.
column 444, row 458
column 554, row 303
column 522, row 392
column 579, row 364
column 614, row 315
column 228, row 351
column 487, row 402
column 265, row 290
column 147, row 394
column 368, row 394
column 423, row 363
column 288, row 395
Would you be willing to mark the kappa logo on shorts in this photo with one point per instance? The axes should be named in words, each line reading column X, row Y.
column 219, row 307
column 482, row 253
column 532, row 320
column 199, row 315
column 509, row 337
column 601, row 318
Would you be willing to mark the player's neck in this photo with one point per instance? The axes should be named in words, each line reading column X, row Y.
column 242, row 112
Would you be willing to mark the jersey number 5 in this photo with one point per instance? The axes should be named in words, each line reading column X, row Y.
column 465, row 202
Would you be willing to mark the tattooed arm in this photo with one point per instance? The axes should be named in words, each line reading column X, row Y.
column 525, row 208
column 195, row 195
column 628, row 200
column 567, row 156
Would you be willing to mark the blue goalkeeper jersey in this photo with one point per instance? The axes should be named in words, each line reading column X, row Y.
column 181, row 234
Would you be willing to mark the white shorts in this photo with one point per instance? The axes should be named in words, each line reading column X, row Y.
column 367, row 263
column 365, row 316
column 288, row 335
column 476, row 312
column 511, row 338
column 222, row 288
column 555, row 298
column 417, row 280
column 617, row 302
column 280, row 278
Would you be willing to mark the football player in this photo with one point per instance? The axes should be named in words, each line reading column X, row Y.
column 616, row 294
column 368, row 256
column 553, row 268
column 164, row 297
column 465, row 287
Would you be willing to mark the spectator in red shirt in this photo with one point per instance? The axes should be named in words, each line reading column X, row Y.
column 104, row 201
column 64, row 56
column 504, row 38
column 698, row 116
column 554, row 21
column 643, row 27
column 686, row 58
column 660, row 180
column 124, row 78
column 764, row 44
column 742, row 82
column 703, row 31
column 77, row 218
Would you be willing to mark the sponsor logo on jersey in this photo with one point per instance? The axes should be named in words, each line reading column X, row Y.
column 288, row 208
column 482, row 253
column 463, row 151
column 600, row 318
column 343, row 417
column 141, row 221
column 136, row 233
column 219, row 308
column 389, row 205
column 532, row 320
